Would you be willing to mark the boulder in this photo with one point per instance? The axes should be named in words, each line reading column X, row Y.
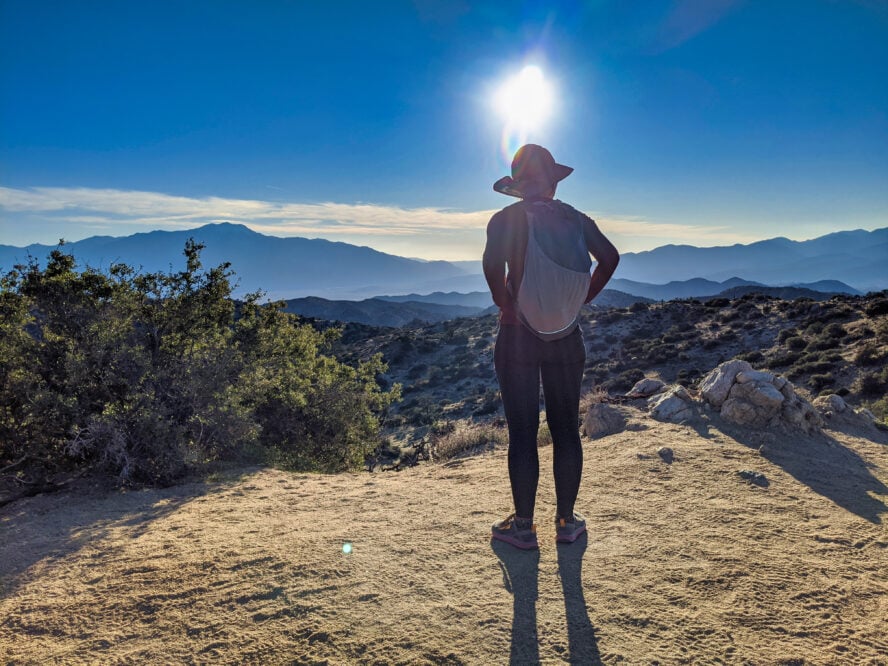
column 830, row 404
column 646, row 387
column 675, row 405
column 602, row 420
column 717, row 384
column 835, row 409
column 757, row 399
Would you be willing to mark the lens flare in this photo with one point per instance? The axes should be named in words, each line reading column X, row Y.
column 525, row 100
column 512, row 139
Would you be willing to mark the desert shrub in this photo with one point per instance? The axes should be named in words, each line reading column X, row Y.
column 489, row 403
column 596, row 396
column 818, row 382
column 785, row 334
column 625, row 380
column 877, row 308
column 822, row 343
column 141, row 375
column 754, row 356
column 835, row 331
column 872, row 383
column 796, row 343
column 868, row 355
column 717, row 303
column 466, row 437
column 638, row 306
column 544, row 435
column 879, row 408
column 783, row 360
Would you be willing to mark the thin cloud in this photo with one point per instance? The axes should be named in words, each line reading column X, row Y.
column 388, row 228
column 152, row 209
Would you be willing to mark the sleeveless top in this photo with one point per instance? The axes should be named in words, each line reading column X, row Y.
column 556, row 274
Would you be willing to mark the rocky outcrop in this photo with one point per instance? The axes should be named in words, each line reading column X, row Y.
column 757, row 399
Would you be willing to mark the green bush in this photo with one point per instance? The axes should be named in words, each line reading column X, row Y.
column 142, row 375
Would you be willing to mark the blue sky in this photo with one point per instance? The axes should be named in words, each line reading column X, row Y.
column 706, row 122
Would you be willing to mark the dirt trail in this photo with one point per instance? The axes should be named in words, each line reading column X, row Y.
column 685, row 563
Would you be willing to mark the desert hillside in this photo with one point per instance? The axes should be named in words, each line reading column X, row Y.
column 746, row 547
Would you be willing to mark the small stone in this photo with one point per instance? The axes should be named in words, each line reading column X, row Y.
column 666, row 454
column 753, row 477
column 646, row 387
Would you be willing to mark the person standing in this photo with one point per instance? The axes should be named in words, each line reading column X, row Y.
column 536, row 263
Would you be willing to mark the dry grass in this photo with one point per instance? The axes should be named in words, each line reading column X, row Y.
column 465, row 437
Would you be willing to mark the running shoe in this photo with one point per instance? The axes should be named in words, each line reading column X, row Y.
column 568, row 530
column 516, row 532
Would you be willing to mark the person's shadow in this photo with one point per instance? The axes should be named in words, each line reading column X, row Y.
column 520, row 572
column 581, row 640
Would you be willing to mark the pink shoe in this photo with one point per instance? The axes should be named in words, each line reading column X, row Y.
column 523, row 537
column 568, row 530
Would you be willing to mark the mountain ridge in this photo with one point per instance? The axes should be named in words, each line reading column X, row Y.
column 293, row 267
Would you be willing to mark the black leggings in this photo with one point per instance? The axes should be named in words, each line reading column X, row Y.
column 521, row 359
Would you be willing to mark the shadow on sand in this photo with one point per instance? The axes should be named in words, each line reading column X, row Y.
column 823, row 464
column 520, row 571
column 51, row 527
column 581, row 640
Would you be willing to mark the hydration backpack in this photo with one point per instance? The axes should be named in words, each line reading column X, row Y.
column 556, row 270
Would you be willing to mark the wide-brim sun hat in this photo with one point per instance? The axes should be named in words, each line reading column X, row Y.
column 534, row 171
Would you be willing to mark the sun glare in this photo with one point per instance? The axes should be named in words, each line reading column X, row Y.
column 525, row 100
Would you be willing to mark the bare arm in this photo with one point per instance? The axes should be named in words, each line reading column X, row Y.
column 494, row 263
column 605, row 254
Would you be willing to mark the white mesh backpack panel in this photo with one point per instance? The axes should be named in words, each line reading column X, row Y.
column 556, row 270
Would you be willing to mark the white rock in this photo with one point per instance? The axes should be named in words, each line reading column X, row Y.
column 717, row 384
column 675, row 405
column 645, row 387
column 831, row 405
column 602, row 420
column 744, row 413
column 766, row 396
column 747, row 376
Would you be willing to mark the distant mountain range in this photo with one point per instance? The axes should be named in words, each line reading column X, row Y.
column 402, row 310
column 856, row 258
column 288, row 268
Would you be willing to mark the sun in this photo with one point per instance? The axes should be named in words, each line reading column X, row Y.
column 525, row 100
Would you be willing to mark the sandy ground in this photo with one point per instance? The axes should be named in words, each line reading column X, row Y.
column 685, row 563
